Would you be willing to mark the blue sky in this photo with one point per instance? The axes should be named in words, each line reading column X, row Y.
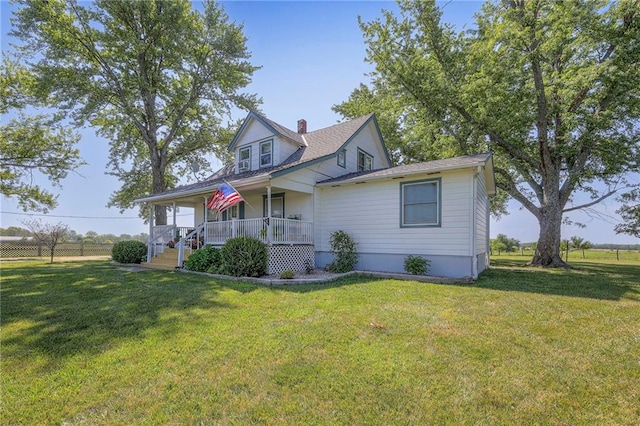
column 312, row 56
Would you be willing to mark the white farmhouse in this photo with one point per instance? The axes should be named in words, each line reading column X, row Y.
column 300, row 187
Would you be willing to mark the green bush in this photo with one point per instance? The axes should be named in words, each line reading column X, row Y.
column 345, row 250
column 131, row 251
column 287, row 274
column 244, row 257
column 416, row 265
column 216, row 269
column 204, row 259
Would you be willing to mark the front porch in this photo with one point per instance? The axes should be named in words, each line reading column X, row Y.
column 289, row 241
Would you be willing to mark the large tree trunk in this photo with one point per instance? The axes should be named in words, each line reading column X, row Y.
column 548, row 248
column 158, row 183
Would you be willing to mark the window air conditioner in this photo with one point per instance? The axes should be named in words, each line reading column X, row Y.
column 243, row 165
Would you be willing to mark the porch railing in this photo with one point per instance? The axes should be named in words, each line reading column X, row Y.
column 163, row 236
column 190, row 241
column 283, row 231
column 160, row 235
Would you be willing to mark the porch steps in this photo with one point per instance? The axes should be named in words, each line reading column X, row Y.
column 167, row 260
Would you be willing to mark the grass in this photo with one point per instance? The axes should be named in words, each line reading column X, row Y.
column 87, row 343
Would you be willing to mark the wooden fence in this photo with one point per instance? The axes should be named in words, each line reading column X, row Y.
column 9, row 249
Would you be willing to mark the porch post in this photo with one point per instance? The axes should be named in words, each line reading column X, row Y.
column 206, row 221
column 150, row 240
column 174, row 213
column 269, row 224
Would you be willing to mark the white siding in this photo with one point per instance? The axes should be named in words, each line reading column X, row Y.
column 370, row 212
column 254, row 131
column 283, row 150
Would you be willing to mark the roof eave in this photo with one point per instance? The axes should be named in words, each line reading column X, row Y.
column 369, row 178
column 238, row 184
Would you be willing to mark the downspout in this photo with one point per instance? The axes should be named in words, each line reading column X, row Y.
column 474, row 225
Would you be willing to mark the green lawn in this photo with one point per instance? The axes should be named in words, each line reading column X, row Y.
column 88, row 343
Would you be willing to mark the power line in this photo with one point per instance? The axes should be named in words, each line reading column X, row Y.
column 80, row 217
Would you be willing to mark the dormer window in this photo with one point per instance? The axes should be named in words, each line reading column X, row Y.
column 365, row 161
column 244, row 159
column 266, row 153
column 342, row 158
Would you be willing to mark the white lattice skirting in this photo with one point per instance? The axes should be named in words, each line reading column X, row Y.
column 294, row 258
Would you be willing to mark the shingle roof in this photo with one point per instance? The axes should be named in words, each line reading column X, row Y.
column 314, row 145
column 424, row 167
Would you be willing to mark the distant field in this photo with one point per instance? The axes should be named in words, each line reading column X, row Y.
column 577, row 255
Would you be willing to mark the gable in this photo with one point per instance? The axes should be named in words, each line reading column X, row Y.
column 252, row 130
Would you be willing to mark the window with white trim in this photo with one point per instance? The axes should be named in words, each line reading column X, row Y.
column 420, row 203
column 365, row 161
column 244, row 159
column 266, row 153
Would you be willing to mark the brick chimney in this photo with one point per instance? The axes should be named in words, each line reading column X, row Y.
column 302, row 126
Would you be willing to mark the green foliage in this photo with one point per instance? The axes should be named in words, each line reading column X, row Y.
column 345, row 250
column 630, row 214
column 244, row 257
column 416, row 265
column 503, row 243
column 129, row 252
column 28, row 143
column 550, row 88
column 206, row 259
column 158, row 79
column 287, row 274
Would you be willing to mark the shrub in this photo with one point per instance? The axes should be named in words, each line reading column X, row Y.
column 131, row 251
column 416, row 265
column 244, row 257
column 216, row 269
column 287, row 274
column 345, row 250
column 203, row 259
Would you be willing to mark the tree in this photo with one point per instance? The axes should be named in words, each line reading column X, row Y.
column 578, row 243
column 154, row 77
column 38, row 143
column 551, row 88
column 14, row 231
column 47, row 234
column 509, row 244
column 630, row 213
column 497, row 246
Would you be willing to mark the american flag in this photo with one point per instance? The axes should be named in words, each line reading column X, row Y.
column 223, row 198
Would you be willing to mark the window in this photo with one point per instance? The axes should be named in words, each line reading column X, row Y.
column 420, row 203
column 266, row 150
column 342, row 158
column 365, row 161
column 277, row 205
column 244, row 159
